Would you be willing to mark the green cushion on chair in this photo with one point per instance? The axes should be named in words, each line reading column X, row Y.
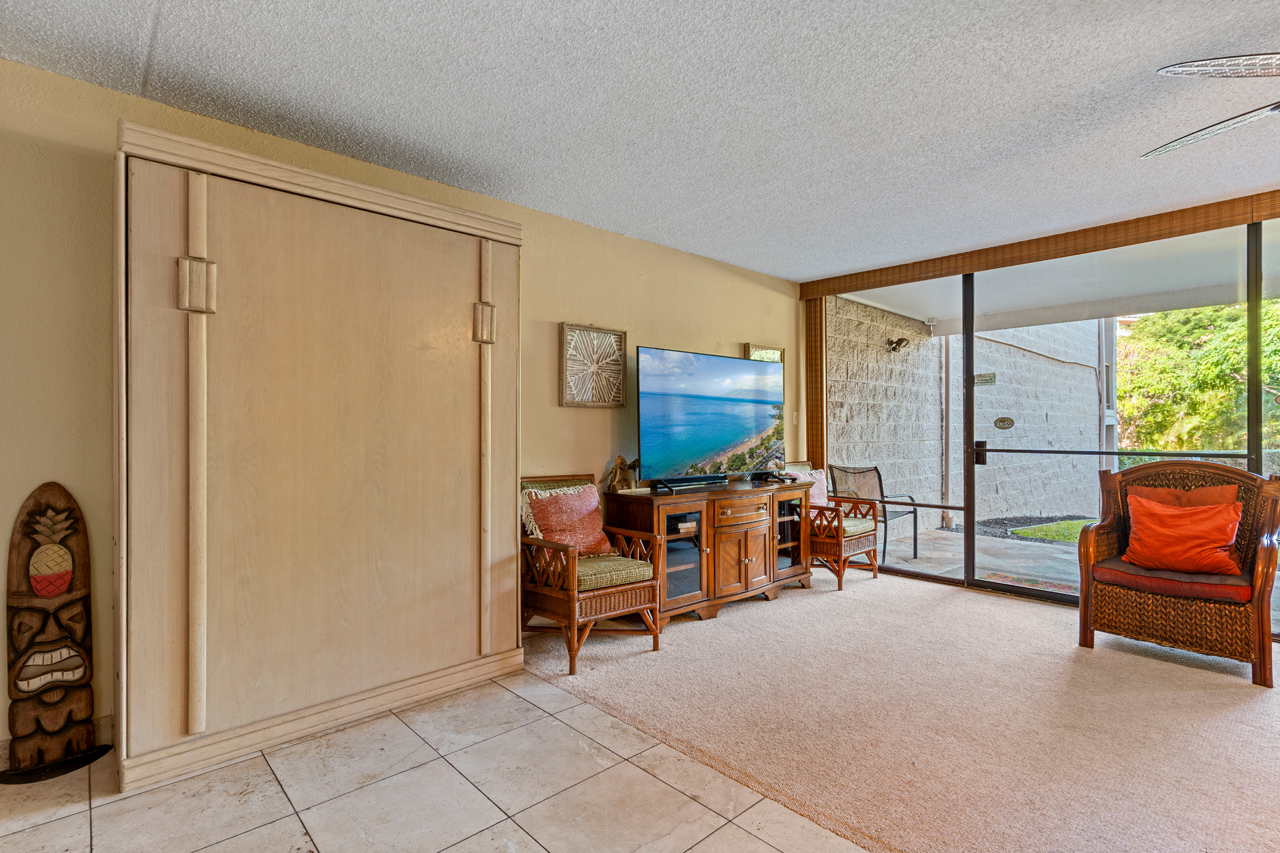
column 858, row 526
column 611, row 570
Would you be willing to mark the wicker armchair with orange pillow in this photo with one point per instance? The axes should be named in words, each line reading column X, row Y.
column 1167, row 568
column 575, row 571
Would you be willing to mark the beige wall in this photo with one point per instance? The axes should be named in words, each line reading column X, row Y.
column 57, row 140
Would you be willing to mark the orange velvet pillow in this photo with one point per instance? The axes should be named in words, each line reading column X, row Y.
column 1204, row 496
column 1195, row 539
column 572, row 517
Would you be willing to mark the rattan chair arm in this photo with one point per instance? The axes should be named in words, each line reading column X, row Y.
column 550, row 564
column 848, row 505
column 546, row 543
column 642, row 546
column 1264, row 560
column 655, row 538
column 1098, row 541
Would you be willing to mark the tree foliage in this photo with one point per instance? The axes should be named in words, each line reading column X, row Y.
column 1180, row 379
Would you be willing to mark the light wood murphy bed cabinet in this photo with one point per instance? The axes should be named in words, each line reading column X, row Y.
column 316, row 452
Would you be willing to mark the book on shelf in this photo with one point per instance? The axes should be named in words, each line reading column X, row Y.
column 687, row 526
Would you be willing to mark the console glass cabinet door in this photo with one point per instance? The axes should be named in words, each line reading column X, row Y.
column 792, row 507
column 687, row 578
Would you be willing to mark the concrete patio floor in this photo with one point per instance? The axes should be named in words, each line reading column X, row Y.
column 1032, row 565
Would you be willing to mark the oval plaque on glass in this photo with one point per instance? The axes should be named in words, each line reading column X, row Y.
column 1004, row 423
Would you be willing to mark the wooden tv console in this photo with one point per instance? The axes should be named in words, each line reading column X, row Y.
column 723, row 544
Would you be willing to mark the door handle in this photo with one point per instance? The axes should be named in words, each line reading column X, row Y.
column 706, row 550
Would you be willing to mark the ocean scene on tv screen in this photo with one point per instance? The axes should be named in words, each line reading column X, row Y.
column 707, row 414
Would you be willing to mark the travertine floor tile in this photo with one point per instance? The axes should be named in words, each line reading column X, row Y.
column 324, row 767
column 423, row 810
column 790, row 832
column 194, row 813
column 551, row 699
column 453, row 722
column 506, row 837
column 717, row 792
column 531, row 763
column 104, row 779
column 284, row 836
column 612, row 734
column 23, row 806
column 64, row 835
column 622, row 810
column 732, row 839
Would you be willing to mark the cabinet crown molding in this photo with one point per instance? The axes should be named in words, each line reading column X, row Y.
column 137, row 140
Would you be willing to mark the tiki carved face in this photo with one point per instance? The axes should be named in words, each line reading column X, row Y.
column 49, row 637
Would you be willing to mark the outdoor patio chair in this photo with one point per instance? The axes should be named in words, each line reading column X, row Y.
column 1214, row 614
column 866, row 483
column 576, row 591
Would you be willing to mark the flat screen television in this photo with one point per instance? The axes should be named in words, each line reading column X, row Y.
column 708, row 414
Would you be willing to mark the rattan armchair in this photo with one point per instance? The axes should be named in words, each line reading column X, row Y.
column 1223, row 615
column 842, row 529
column 867, row 484
column 577, row 592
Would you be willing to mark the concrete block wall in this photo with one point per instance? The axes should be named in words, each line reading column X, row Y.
column 1051, row 392
column 886, row 409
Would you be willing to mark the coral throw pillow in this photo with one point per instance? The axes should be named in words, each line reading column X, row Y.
column 572, row 517
column 1183, row 539
column 817, row 494
column 1205, row 496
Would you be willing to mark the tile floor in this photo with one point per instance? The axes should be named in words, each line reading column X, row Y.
column 513, row 765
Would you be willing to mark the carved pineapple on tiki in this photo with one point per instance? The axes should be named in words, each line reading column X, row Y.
column 50, row 565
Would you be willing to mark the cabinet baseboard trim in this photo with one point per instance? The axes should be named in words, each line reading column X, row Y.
column 222, row 747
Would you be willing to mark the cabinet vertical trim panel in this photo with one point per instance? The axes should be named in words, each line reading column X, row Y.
column 197, row 215
column 120, row 460
column 198, row 470
column 486, row 455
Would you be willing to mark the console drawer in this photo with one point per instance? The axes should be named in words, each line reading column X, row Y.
column 741, row 510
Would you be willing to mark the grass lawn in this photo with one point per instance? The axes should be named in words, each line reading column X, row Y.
column 1059, row 531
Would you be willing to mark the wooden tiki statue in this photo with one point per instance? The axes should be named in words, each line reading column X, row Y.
column 49, row 639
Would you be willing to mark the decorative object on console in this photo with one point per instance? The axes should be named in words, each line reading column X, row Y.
column 622, row 476
column 593, row 366
column 50, row 647
column 759, row 353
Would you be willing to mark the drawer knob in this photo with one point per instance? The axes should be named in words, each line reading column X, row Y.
column 726, row 512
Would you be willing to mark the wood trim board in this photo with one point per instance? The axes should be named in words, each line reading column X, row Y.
column 139, row 141
column 1160, row 226
column 202, row 753
column 815, row 381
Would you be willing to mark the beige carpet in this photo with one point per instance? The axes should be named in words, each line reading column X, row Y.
column 910, row 716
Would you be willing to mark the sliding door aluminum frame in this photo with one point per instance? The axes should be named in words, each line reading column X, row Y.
column 1253, row 453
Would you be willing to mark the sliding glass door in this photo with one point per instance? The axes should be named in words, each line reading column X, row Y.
column 1095, row 362
column 988, row 403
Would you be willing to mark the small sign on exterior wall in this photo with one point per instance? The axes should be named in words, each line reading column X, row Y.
column 1004, row 423
column 984, row 379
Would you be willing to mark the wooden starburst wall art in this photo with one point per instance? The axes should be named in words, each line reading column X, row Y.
column 593, row 366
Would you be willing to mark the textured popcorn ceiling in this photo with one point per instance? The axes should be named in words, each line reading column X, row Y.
column 802, row 139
